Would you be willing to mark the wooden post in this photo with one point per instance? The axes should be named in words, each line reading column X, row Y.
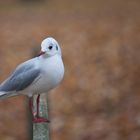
column 41, row 130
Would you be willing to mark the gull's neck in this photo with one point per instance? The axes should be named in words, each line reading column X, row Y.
column 56, row 56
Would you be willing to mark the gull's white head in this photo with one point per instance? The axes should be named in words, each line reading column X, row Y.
column 50, row 47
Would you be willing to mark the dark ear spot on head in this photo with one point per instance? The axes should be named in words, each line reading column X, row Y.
column 56, row 47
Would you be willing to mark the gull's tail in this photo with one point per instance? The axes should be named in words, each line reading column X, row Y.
column 4, row 94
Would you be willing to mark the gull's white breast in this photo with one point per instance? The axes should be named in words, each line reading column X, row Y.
column 51, row 73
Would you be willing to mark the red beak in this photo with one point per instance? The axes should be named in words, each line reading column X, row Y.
column 41, row 53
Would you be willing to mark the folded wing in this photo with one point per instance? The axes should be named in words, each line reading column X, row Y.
column 23, row 76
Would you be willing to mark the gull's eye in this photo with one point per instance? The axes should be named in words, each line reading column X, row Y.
column 50, row 47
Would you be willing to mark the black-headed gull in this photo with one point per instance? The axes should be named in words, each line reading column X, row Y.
column 36, row 76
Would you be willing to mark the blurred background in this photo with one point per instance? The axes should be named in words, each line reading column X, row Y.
column 100, row 40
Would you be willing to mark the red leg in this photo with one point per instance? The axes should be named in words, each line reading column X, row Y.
column 37, row 105
column 31, row 105
column 37, row 118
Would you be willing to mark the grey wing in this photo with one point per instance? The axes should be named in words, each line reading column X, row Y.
column 21, row 78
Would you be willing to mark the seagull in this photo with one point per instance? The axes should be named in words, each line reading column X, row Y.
column 36, row 76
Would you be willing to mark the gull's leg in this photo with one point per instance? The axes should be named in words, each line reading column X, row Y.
column 37, row 105
column 31, row 105
column 37, row 118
